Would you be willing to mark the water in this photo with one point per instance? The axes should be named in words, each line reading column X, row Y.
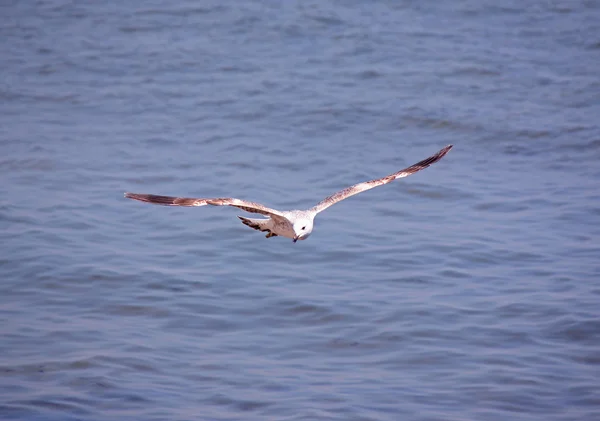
column 469, row 291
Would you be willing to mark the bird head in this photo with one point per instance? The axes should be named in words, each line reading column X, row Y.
column 302, row 229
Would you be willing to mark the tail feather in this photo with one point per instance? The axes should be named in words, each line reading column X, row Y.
column 252, row 223
column 257, row 224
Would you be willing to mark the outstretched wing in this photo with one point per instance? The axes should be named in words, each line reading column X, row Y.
column 218, row 201
column 367, row 185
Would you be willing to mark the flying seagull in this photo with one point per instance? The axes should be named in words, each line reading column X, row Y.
column 294, row 224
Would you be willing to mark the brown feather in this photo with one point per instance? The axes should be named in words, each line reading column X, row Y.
column 367, row 185
column 252, row 207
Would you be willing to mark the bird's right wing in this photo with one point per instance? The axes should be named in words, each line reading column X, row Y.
column 367, row 185
column 218, row 201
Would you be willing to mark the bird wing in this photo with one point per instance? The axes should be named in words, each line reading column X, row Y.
column 218, row 201
column 367, row 185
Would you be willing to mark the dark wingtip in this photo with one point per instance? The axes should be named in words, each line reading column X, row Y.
column 432, row 159
column 134, row 196
column 150, row 198
column 445, row 150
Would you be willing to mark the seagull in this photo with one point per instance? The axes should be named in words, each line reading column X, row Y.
column 294, row 224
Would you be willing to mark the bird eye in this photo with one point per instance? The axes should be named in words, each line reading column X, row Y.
column 303, row 228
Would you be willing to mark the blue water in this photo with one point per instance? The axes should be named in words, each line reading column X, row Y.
column 469, row 291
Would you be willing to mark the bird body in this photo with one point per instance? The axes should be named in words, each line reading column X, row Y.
column 294, row 224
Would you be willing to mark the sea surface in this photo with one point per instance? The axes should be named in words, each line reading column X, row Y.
column 468, row 291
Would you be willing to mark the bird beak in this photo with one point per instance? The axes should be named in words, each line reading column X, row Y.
column 296, row 238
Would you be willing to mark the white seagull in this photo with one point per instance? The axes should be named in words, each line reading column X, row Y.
column 294, row 224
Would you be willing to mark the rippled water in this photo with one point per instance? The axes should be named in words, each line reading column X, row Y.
column 469, row 291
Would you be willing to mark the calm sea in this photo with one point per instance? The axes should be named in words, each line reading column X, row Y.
column 469, row 291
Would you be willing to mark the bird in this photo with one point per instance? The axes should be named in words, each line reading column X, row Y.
column 293, row 224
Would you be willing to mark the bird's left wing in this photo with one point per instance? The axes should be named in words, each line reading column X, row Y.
column 367, row 185
column 217, row 201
